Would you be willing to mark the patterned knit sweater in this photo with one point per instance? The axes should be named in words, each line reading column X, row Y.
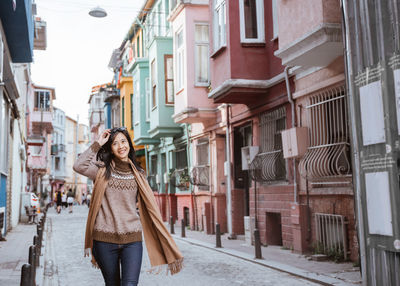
column 117, row 220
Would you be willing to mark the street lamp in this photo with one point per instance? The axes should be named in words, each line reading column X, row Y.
column 98, row 12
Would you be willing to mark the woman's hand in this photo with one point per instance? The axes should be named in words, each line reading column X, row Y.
column 104, row 137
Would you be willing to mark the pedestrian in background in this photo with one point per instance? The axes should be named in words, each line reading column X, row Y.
column 64, row 200
column 88, row 198
column 70, row 199
column 84, row 199
column 113, row 229
column 59, row 201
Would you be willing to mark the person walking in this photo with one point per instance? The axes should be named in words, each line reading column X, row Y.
column 64, row 199
column 58, row 201
column 70, row 199
column 88, row 198
column 113, row 228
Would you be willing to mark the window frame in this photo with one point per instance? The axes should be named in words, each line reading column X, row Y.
column 123, row 111
column 132, row 96
column 166, row 79
column 4, row 133
column 219, row 40
column 196, row 56
column 153, row 85
column 148, row 97
column 260, row 23
column 136, row 100
column 275, row 23
column 180, row 61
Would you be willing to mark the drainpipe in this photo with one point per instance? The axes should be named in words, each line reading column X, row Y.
column 190, row 185
column 228, row 175
column 289, row 93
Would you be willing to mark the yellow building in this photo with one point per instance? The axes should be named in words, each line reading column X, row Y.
column 125, row 85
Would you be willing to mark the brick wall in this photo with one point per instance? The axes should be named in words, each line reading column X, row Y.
column 273, row 199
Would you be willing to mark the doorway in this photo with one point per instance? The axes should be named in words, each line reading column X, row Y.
column 243, row 136
column 274, row 228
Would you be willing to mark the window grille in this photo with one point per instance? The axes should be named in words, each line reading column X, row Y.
column 199, row 175
column 180, row 176
column 152, row 178
column 269, row 164
column 328, row 154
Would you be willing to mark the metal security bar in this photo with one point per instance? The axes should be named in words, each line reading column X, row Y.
column 200, row 175
column 269, row 164
column 328, row 154
column 331, row 234
column 180, row 179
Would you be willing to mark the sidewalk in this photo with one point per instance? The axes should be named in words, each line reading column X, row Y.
column 326, row 272
column 15, row 252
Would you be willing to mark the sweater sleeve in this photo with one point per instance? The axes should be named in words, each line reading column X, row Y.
column 86, row 164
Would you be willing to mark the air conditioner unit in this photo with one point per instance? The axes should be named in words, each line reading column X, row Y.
column 248, row 155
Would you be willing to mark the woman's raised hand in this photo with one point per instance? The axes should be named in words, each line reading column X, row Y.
column 104, row 137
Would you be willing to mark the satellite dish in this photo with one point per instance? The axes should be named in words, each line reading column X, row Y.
column 98, row 12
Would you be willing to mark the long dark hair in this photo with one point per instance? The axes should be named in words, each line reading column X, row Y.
column 105, row 155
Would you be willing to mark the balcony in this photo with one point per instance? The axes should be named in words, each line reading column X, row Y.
column 40, row 41
column 42, row 119
column 306, row 41
column 200, row 176
column 180, row 179
column 19, row 29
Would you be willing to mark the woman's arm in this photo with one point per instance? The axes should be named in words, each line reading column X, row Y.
column 86, row 163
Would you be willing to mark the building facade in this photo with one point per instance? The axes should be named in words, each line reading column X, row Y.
column 58, row 151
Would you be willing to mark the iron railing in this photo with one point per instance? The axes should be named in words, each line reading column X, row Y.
column 200, row 176
column 180, row 179
column 331, row 234
column 268, row 166
column 153, row 182
column 328, row 154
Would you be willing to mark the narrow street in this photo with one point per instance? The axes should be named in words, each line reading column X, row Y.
column 202, row 266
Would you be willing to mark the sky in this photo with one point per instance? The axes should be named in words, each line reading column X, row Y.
column 79, row 48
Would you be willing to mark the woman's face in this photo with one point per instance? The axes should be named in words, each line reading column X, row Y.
column 120, row 147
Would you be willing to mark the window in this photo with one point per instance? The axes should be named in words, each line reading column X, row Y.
column 275, row 18
column 219, row 24
column 42, row 100
column 137, row 102
column 179, row 60
column 169, row 79
column 36, row 150
column 201, row 172
column 147, row 87
column 4, row 125
column 153, row 84
column 57, row 163
column 123, row 111
column 329, row 152
column 252, row 21
column 132, row 113
column 202, row 152
column 201, row 54
column 273, row 166
column 138, row 53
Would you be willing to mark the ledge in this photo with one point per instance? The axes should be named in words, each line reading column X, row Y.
column 317, row 48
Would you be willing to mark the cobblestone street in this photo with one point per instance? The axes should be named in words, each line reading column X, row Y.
column 64, row 246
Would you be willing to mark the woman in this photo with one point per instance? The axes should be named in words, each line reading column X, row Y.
column 113, row 228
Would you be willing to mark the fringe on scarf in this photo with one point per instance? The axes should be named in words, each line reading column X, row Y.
column 172, row 268
column 87, row 253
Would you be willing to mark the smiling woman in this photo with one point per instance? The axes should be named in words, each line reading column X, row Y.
column 113, row 228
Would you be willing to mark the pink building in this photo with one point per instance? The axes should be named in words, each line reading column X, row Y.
column 40, row 127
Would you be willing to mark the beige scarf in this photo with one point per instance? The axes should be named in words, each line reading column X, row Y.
column 160, row 245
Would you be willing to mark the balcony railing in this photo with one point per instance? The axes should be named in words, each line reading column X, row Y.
column 200, row 176
column 153, row 182
column 268, row 166
column 180, row 178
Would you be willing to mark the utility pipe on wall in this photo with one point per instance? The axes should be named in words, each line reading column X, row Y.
column 228, row 175
column 289, row 94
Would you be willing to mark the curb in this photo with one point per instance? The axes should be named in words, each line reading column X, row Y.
column 310, row 276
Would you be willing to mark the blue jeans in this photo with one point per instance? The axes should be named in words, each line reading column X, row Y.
column 112, row 257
